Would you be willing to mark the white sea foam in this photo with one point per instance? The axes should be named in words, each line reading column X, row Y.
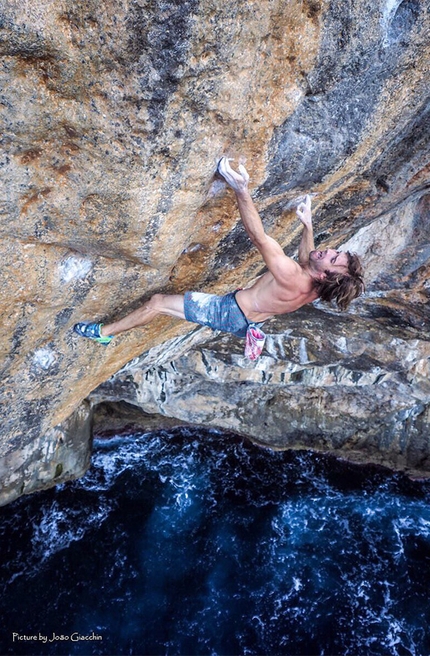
column 295, row 558
column 59, row 527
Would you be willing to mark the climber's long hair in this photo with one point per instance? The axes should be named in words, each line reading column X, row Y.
column 340, row 287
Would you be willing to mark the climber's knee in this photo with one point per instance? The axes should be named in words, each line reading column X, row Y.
column 155, row 303
column 171, row 304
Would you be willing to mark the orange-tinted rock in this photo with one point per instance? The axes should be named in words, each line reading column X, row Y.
column 114, row 115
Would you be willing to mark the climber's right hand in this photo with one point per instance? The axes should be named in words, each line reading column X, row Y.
column 237, row 181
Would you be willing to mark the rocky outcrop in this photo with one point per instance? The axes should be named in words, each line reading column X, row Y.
column 114, row 115
column 61, row 454
column 354, row 387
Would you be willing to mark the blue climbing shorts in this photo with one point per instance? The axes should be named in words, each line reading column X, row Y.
column 217, row 312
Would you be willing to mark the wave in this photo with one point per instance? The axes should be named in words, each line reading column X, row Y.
column 201, row 542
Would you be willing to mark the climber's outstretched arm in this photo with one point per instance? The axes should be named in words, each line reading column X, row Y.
column 281, row 266
column 304, row 212
column 248, row 212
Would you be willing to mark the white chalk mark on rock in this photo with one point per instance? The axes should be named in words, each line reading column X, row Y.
column 75, row 268
column 44, row 358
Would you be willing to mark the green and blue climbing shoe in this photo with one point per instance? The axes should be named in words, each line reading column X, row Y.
column 92, row 331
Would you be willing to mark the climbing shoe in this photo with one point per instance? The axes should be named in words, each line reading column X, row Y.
column 92, row 331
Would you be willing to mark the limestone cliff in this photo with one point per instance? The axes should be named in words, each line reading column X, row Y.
column 113, row 117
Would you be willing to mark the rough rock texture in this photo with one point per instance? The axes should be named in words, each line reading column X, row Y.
column 356, row 389
column 113, row 116
column 61, row 454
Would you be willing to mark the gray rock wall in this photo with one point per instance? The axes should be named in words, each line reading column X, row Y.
column 345, row 385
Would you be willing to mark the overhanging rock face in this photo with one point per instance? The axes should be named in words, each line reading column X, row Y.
column 113, row 117
column 362, row 393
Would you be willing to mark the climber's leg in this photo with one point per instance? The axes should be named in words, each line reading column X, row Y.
column 170, row 304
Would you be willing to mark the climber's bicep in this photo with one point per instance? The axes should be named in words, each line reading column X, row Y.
column 282, row 267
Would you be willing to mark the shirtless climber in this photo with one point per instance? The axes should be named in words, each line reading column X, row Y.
column 329, row 274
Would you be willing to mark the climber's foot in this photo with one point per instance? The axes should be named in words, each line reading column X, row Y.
column 92, row 331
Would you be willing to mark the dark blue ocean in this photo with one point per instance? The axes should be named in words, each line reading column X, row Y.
column 189, row 542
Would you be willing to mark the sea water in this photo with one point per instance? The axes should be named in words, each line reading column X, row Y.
column 190, row 541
